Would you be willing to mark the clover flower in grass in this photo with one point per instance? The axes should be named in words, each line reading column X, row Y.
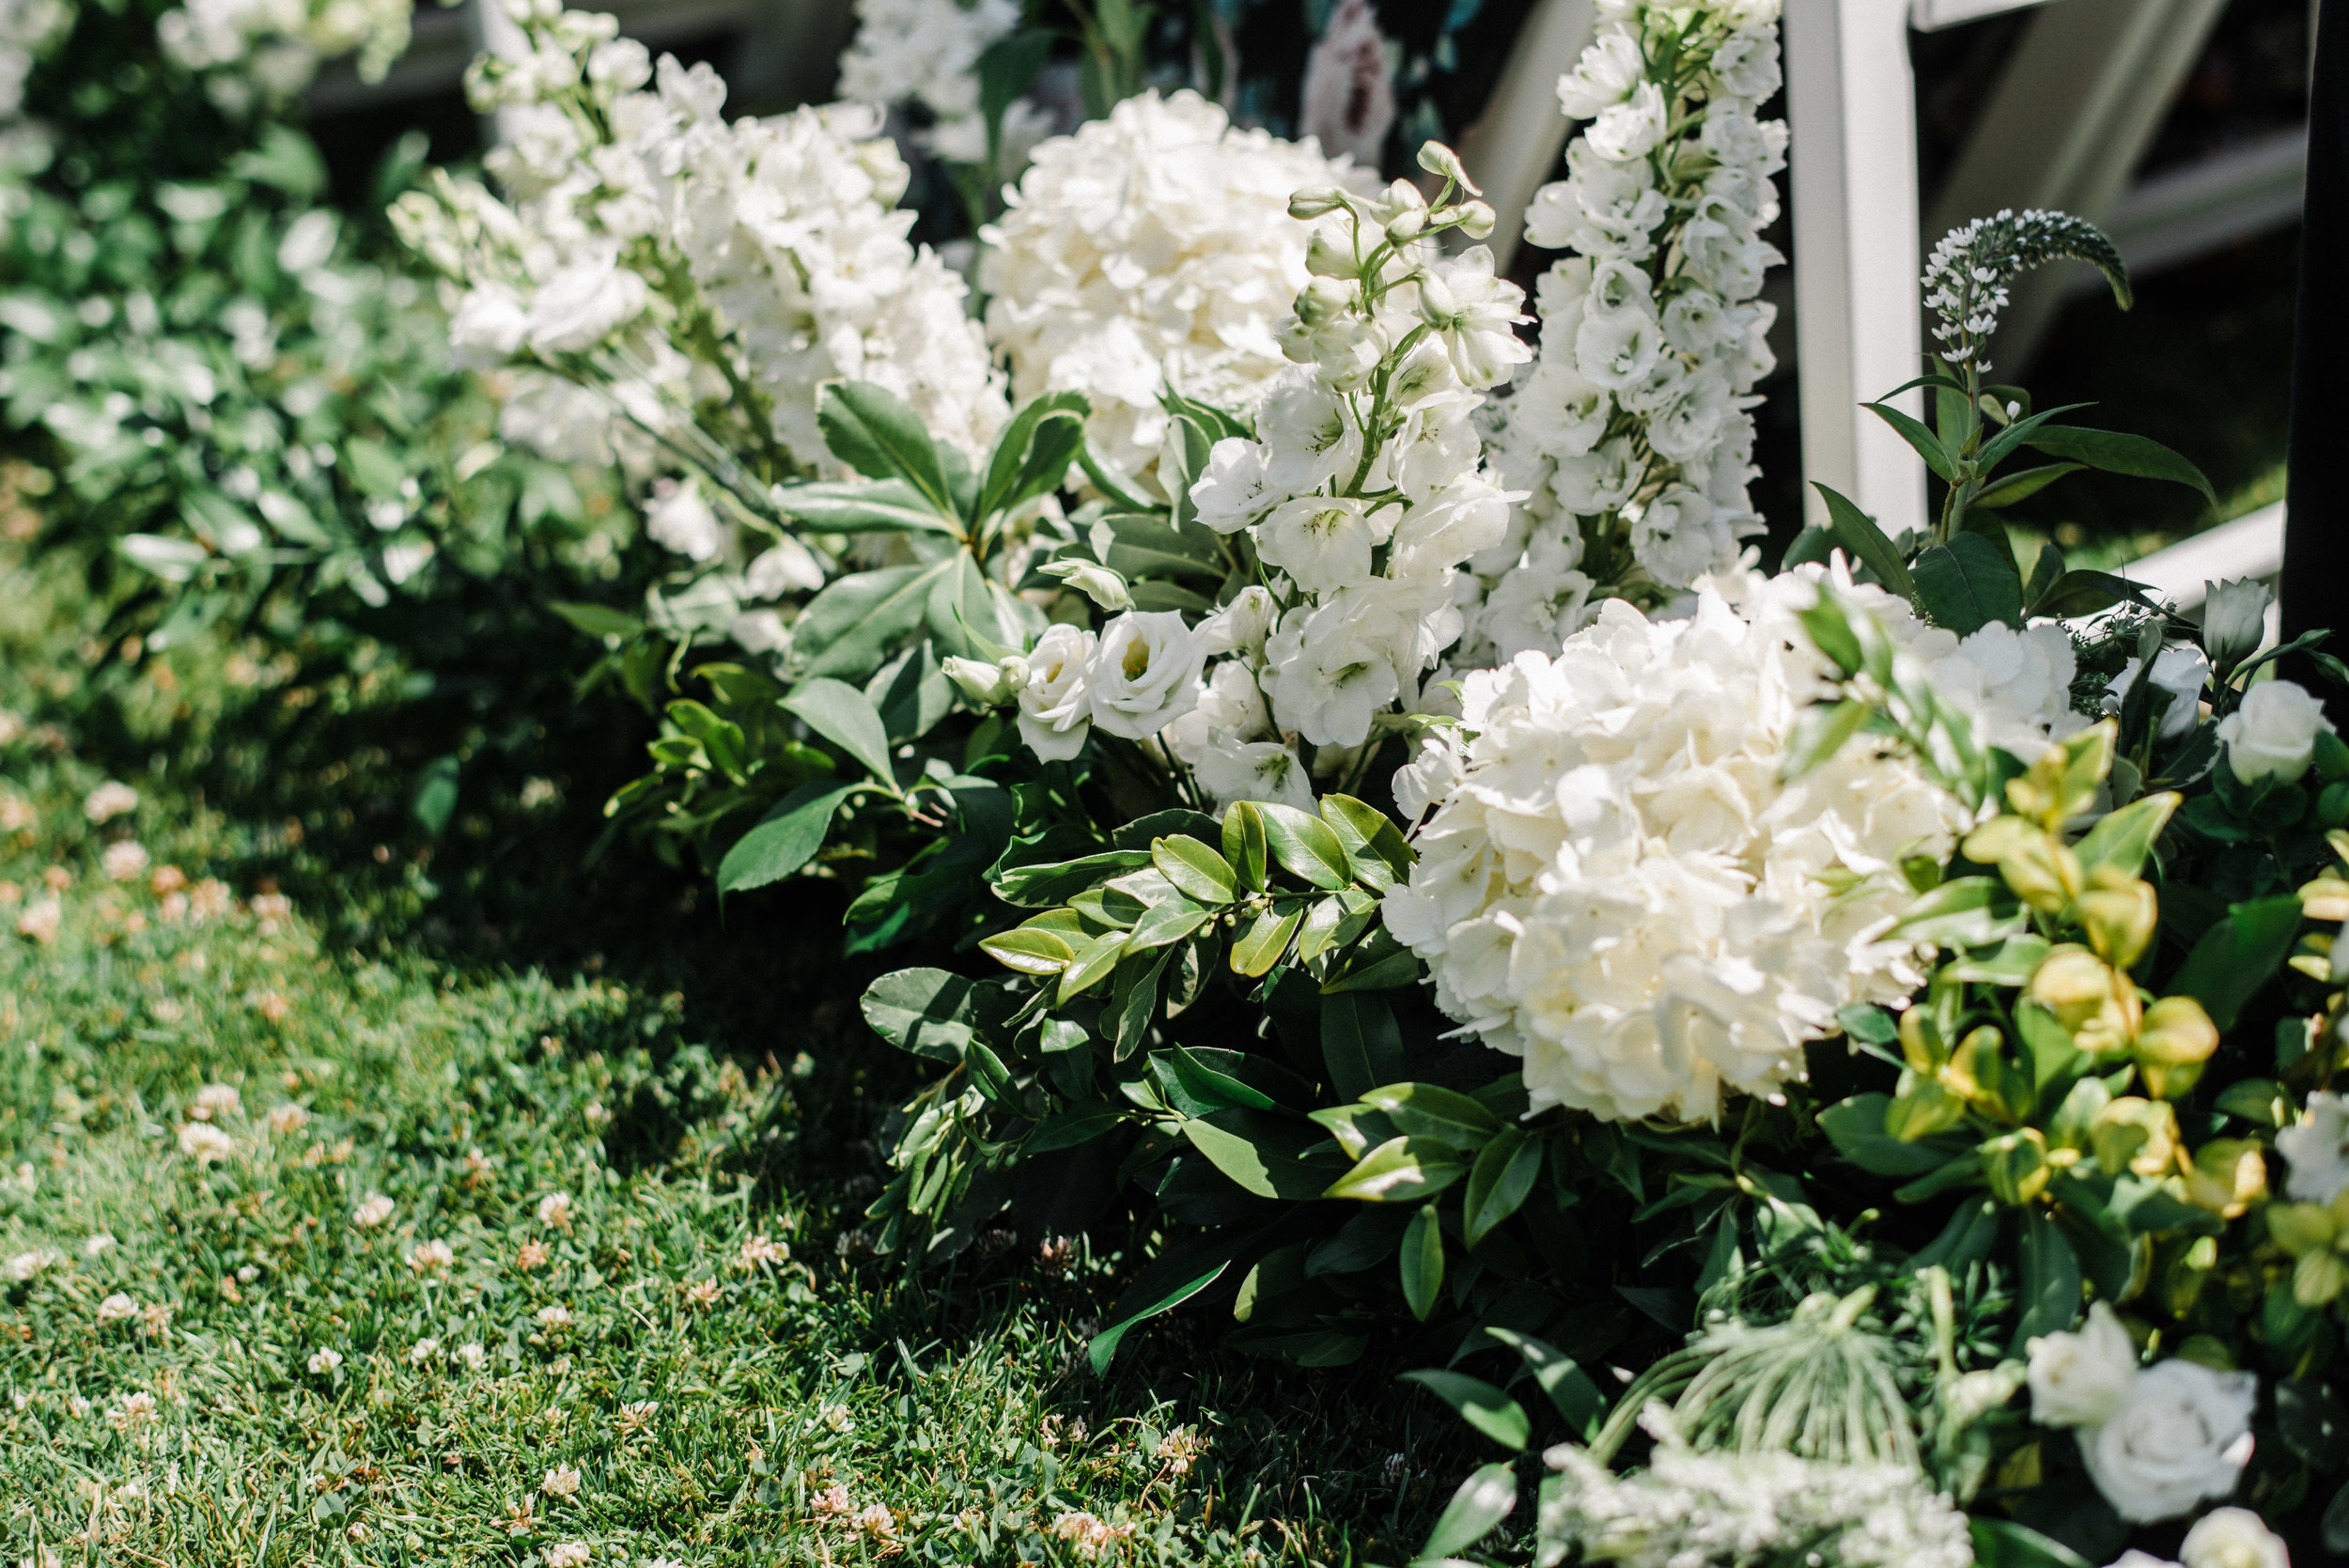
column 109, row 800
column 123, row 862
column 554, row 1317
column 554, row 1211
column 117, row 1308
column 433, row 1257
column 1623, row 890
column 1151, row 250
column 373, row 1210
column 423, row 1352
column 322, row 1362
column 205, row 1143
column 286, row 1119
column 41, row 920
column 472, row 1355
column 214, row 1101
column 702, row 1294
column 758, row 1251
column 135, row 1410
column 562, row 1481
column 24, row 1265
column 1089, row 1534
column 567, row 1553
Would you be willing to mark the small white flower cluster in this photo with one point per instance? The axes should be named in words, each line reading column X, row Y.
column 267, row 51
column 1619, row 886
column 2156, row 1440
column 1631, row 435
column 1967, row 276
column 928, row 52
column 1150, row 249
column 1694, row 1509
column 666, row 259
column 1359, row 496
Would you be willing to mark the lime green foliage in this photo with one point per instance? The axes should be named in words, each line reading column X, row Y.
column 651, row 1240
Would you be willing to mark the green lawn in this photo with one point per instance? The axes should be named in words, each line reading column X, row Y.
column 365, row 1197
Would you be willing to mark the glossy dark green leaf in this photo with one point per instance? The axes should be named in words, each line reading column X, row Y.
column 785, row 839
column 1483, row 1500
column 851, row 628
column 1914, row 432
column 1967, row 912
column 928, row 1013
column 1856, row 1128
column 1244, row 846
column 1026, row 950
column 1038, row 886
column 1262, row 1154
column 1197, row 872
column 1262, row 942
column 1174, row 1278
column 847, row 717
column 2022, row 485
column 1361, row 1046
column 2235, row 956
column 1479, row 1404
column 1865, row 543
column 1568, row 1386
column 863, row 507
column 1400, row 1171
column 1968, row 584
column 875, row 432
column 1432, row 1111
column 2118, row 452
column 2004, row 1544
column 1304, row 845
column 1499, row 1183
column 2049, row 1294
column 1420, row 1262
column 1373, row 845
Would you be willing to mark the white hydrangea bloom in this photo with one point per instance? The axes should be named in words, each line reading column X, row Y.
column 1631, row 437
column 1692, row 1510
column 1148, row 250
column 1622, row 889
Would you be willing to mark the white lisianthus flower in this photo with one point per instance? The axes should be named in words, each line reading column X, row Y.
column 2317, row 1150
column 2232, row 1538
column 1055, row 707
column 2082, row 1379
column 2178, row 679
column 2185, row 1435
column 2273, row 734
column 1623, row 891
column 1145, row 674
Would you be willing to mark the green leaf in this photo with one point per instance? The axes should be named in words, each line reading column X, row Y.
column 1568, row 1385
column 1066, row 1129
column 1400, row 1171
column 1499, row 1183
column 1244, row 846
column 1865, row 543
column 1165, row 923
column 1261, row 942
column 2004, row 1544
column 1373, row 844
column 1093, row 964
column 1014, row 447
column 1215, row 1078
column 173, row 560
column 851, row 627
column 2050, row 1287
column 1304, row 845
column 863, row 507
column 1261, row 1154
column 599, row 620
column 875, row 432
column 1037, row 886
column 785, row 839
column 2022, row 485
column 1967, row 912
column 1479, row 1404
column 1026, row 950
column 1856, row 1128
column 847, row 717
column 1004, row 71
column 2236, row 955
column 2053, row 1055
column 1361, row 1046
column 435, row 798
column 2335, row 1523
column 1484, row 1500
column 1379, row 964
column 2122, row 839
column 1421, row 1260
column 2118, row 452
column 1174, row 1278
column 1821, row 732
column 1968, row 584
column 1197, row 872
column 1428, row 1110
column 928, row 1013
column 1913, row 431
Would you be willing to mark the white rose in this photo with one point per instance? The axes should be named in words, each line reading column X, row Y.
column 2082, row 1379
column 2317, row 1150
column 1054, row 713
column 2185, row 1435
column 2232, row 1538
column 2272, row 733
column 1145, row 674
column 2135, row 1559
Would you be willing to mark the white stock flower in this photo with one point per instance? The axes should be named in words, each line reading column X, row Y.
column 1145, row 673
column 2183, row 1436
column 1055, row 713
column 2317, row 1150
column 2082, row 1379
column 2232, row 1538
column 1153, row 248
column 2272, row 736
column 1621, row 888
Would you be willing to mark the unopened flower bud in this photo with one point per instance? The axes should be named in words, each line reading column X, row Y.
column 1099, row 584
column 1436, row 157
column 1316, row 200
column 1476, row 219
column 1399, row 198
column 1329, row 254
column 988, row 684
column 1323, row 301
column 1404, row 227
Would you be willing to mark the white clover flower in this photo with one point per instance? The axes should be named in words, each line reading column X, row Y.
column 423, row 1351
column 2272, row 734
column 2185, row 1435
column 2316, row 1148
column 2082, row 1379
column 324, row 1361
column 1150, row 249
column 123, row 862
column 474, row 1357
column 562, row 1481
column 214, row 1101
column 115, row 1308
column 373, row 1210
column 1622, row 889
column 205, row 1143
column 109, row 800
column 554, row 1211
column 24, row 1265
column 568, row 1554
